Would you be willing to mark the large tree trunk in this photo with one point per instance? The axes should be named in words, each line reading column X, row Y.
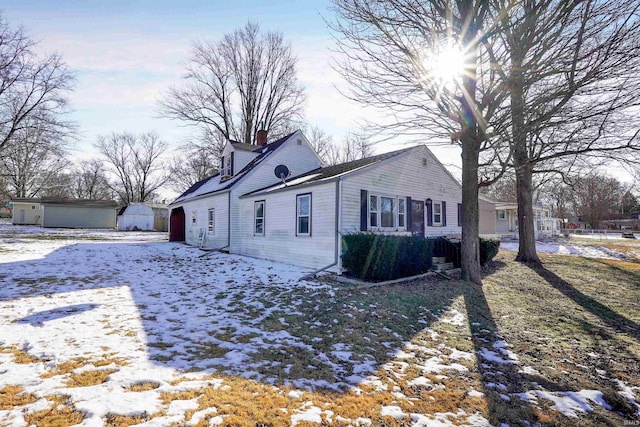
column 526, row 231
column 470, row 140
column 470, row 223
column 524, row 170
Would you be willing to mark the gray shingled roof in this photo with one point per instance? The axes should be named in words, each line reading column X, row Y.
column 263, row 150
column 329, row 172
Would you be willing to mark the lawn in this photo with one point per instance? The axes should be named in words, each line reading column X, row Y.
column 125, row 329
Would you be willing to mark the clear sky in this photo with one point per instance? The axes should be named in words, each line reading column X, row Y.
column 126, row 53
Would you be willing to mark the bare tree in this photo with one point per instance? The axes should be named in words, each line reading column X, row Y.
column 234, row 86
column 571, row 71
column 355, row 146
column 190, row 166
column 136, row 164
column 596, row 197
column 388, row 51
column 89, row 181
column 321, row 142
column 33, row 160
column 31, row 87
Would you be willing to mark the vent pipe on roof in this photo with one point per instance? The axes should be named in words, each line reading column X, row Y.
column 261, row 136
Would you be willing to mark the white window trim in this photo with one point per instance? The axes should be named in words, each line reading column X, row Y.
column 396, row 207
column 211, row 221
column 433, row 213
column 298, row 216
column 194, row 218
column 256, row 217
column 504, row 214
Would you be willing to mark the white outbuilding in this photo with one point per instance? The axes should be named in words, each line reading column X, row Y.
column 135, row 217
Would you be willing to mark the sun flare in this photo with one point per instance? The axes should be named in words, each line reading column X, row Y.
column 445, row 64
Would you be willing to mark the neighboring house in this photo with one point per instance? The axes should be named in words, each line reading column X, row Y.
column 507, row 220
column 487, row 214
column 65, row 213
column 136, row 216
column 248, row 210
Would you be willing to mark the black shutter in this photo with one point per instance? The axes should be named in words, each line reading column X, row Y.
column 222, row 167
column 459, row 214
column 232, row 163
column 444, row 213
column 429, row 213
column 364, row 195
column 408, row 214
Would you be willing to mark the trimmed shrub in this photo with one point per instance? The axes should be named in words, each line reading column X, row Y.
column 488, row 250
column 377, row 257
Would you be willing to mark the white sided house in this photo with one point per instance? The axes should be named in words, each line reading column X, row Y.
column 300, row 215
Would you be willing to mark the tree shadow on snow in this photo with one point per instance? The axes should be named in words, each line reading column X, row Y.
column 219, row 314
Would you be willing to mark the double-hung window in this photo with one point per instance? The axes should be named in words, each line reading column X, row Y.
column 502, row 214
column 402, row 211
column 258, row 218
column 303, row 215
column 227, row 169
column 373, row 211
column 387, row 212
column 194, row 217
column 211, row 221
column 437, row 213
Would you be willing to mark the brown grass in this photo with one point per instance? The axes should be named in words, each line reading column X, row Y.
column 114, row 420
column 13, row 395
column 89, row 378
column 22, row 357
column 142, row 386
column 60, row 414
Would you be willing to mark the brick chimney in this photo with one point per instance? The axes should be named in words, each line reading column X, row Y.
column 261, row 137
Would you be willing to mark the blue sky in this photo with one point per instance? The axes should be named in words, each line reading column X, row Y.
column 126, row 53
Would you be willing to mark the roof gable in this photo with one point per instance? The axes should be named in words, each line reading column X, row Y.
column 217, row 183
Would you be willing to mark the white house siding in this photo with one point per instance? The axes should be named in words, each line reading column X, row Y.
column 403, row 176
column 66, row 216
column 200, row 207
column 280, row 242
column 27, row 214
column 241, row 158
column 300, row 158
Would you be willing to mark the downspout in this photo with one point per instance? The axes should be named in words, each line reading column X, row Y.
column 229, row 220
column 338, row 259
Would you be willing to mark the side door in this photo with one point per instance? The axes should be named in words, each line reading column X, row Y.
column 417, row 217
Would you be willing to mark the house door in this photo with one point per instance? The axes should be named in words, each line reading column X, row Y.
column 177, row 225
column 21, row 216
column 417, row 217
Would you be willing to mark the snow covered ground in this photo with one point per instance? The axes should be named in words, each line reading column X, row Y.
column 146, row 311
column 590, row 250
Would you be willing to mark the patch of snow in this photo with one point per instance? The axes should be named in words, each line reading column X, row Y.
column 569, row 403
column 392, row 411
column 312, row 415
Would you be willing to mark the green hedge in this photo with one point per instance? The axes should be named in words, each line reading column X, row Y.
column 378, row 257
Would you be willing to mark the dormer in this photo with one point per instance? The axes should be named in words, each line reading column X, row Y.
column 235, row 157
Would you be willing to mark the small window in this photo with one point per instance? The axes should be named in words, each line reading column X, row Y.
column 401, row 212
column 211, row 221
column 373, row 211
column 437, row 213
column 33, row 207
column 258, row 215
column 194, row 217
column 303, row 215
column 228, row 166
column 387, row 212
column 502, row 214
